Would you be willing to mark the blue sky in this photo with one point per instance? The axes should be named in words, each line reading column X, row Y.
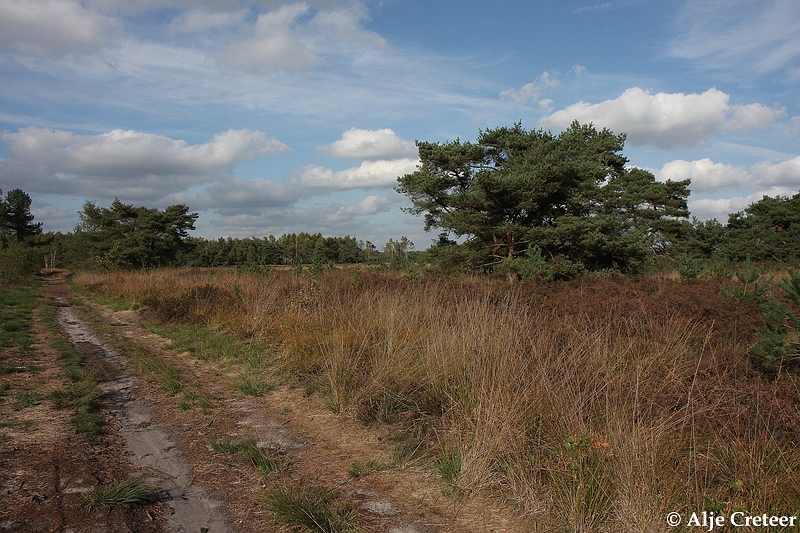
column 269, row 117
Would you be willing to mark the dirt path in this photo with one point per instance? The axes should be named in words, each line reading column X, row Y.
column 46, row 469
column 150, row 449
column 203, row 490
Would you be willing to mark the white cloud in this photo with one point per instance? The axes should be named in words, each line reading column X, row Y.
column 783, row 174
column 754, row 117
column 667, row 120
column 329, row 219
column 342, row 27
column 720, row 208
column 531, row 92
column 274, row 45
column 234, row 196
column 44, row 28
column 367, row 175
column 371, row 145
column 708, row 176
column 195, row 20
column 127, row 163
column 371, row 205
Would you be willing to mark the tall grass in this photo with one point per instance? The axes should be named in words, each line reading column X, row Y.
column 602, row 404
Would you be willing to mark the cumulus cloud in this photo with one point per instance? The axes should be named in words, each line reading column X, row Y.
column 708, row 176
column 331, row 219
column 236, row 196
column 125, row 163
column 334, row 28
column 44, row 28
column 531, row 92
column 367, row 175
column 720, row 208
column 274, row 44
column 371, row 145
column 666, row 120
column 754, row 117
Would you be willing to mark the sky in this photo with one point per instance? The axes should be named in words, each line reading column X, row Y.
column 271, row 117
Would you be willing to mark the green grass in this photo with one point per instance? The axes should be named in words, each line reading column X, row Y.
column 206, row 345
column 226, row 446
column 117, row 304
column 266, row 460
column 130, row 493
column 448, row 464
column 26, row 399
column 10, row 369
column 311, row 508
column 358, row 469
column 252, row 384
column 4, row 386
column 17, row 303
column 82, row 392
column 86, row 422
column 166, row 374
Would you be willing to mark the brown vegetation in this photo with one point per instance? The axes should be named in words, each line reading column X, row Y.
column 595, row 404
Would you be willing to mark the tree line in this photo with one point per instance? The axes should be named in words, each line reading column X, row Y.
column 531, row 203
column 515, row 202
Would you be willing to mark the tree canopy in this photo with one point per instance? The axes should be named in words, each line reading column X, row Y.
column 566, row 200
column 768, row 230
column 138, row 237
column 16, row 216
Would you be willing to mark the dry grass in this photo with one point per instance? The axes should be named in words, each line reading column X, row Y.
column 596, row 405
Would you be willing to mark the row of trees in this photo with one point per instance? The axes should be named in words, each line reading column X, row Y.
column 126, row 236
column 526, row 203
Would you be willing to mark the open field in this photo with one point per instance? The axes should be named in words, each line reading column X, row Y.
column 599, row 404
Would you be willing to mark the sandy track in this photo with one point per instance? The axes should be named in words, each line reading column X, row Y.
column 188, row 508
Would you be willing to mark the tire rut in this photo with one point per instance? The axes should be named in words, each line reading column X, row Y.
column 188, row 508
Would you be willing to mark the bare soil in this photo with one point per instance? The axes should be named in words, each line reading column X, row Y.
column 46, row 469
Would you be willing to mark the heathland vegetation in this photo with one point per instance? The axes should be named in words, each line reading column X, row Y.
column 639, row 363
column 598, row 404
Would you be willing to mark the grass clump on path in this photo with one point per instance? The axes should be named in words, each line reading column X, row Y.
column 311, row 508
column 130, row 493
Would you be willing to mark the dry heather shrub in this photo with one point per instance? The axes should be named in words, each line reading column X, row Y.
column 598, row 405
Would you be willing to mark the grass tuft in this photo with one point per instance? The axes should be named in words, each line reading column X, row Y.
column 266, row 460
column 253, row 384
column 26, row 399
column 226, row 446
column 449, row 466
column 130, row 493
column 311, row 508
column 358, row 469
